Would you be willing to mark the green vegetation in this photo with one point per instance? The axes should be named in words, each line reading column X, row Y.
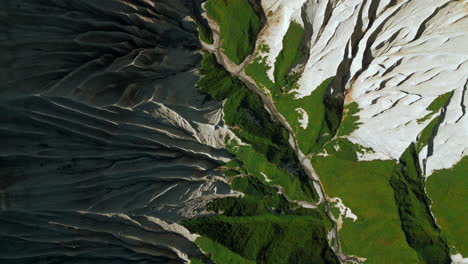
column 350, row 120
column 257, row 70
column 268, row 239
column 218, row 253
column 438, row 103
column 447, row 190
column 364, row 188
column 323, row 109
column 387, row 197
column 268, row 152
column 264, row 227
column 215, row 81
column 245, row 114
column 196, row 261
column 294, row 186
column 290, row 54
column 421, row 232
column 344, row 149
column 259, row 199
column 426, row 134
column 239, row 26
column 204, row 33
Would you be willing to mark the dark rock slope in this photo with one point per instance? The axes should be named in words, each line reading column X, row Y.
column 104, row 139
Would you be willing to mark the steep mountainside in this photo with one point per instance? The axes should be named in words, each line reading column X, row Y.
column 234, row 131
column 372, row 94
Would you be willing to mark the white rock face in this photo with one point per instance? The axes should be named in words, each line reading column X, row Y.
column 418, row 55
column 399, row 58
column 458, row 259
column 344, row 211
column 304, row 120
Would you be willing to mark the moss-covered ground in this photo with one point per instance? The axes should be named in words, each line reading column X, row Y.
column 239, row 25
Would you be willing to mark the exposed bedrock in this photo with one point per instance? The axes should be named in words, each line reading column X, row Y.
column 104, row 136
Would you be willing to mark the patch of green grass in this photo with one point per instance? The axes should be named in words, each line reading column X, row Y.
column 257, row 165
column 364, row 188
column 258, row 199
column 323, row 112
column 257, row 70
column 290, row 54
column 218, row 253
column 447, row 190
column 350, row 119
column 426, row 134
column 421, row 231
column 388, row 198
column 215, row 81
column 438, row 103
column 268, row 239
column 204, row 33
column 344, row 149
column 239, row 25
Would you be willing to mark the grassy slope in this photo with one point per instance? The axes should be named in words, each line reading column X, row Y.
column 263, row 227
column 323, row 111
column 436, row 105
column 256, row 164
column 323, row 114
column 421, row 232
column 447, row 191
column 244, row 112
column 218, row 253
column 364, row 187
column 239, row 26
column 290, row 54
column 387, row 197
column 269, row 239
column 269, row 151
column 371, row 198
column 385, row 228
column 204, row 33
